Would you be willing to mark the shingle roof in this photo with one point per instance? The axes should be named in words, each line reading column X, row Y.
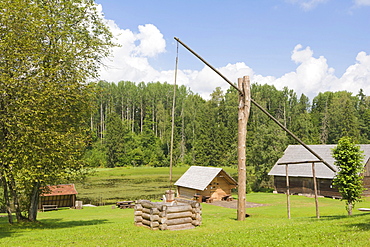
column 300, row 161
column 199, row 177
column 59, row 190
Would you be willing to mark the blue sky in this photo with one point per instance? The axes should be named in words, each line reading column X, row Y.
column 309, row 46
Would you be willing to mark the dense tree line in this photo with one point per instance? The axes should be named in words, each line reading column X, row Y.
column 131, row 125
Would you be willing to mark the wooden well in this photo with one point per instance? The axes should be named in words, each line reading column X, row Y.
column 177, row 215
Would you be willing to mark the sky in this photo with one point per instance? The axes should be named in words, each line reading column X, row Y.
column 309, row 46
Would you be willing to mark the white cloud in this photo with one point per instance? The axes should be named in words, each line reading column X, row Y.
column 308, row 4
column 205, row 81
column 151, row 41
column 357, row 76
column 312, row 75
column 362, row 2
column 129, row 61
column 300, row 56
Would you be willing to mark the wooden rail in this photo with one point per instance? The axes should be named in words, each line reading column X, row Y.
column 49, row 207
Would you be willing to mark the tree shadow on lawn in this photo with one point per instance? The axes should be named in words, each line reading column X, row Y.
column 364, row 226
column 361, row 226
column 7, row 230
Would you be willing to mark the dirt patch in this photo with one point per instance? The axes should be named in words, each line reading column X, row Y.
column 234, row 204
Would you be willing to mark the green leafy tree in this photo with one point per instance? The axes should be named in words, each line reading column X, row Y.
column 48, row 51
column 363, row 109
column 349, row 181
column 342, row 118
column 114, row 140
column 95, row 155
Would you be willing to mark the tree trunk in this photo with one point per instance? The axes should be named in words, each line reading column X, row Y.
column 243, row 115
column 128, row 115
column 101, row 121
column 182, row 146
column 122, row 110
column 153, row 117
column 13, row 192
column 349, row 208
column 7, row 199
column 34, row 201
column 91, row 122
column 141, row 116
column 133, row 119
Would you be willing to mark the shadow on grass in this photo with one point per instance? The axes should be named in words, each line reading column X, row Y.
column 339, row 217
column 7, row 230
column 361, row 226
column 364, row 226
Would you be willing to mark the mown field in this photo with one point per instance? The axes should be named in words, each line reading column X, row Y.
column 266, row 226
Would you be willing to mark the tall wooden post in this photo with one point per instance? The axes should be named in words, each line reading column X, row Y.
column 243, row 115
column 287, row 190
column 315, row 189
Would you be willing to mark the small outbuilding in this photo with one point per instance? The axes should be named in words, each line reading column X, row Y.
column 299, row 161
column 205, row 183
column 63, row 195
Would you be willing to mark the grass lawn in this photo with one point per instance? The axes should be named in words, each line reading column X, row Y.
column 267, row 226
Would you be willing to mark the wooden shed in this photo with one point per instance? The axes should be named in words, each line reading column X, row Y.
column 63, row 195
column 299, row 162
column 205, row 182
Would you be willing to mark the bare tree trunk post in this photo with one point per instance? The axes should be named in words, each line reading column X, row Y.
column 315, row 189
column 243, row 114
column 173, row 118
column 287, row 190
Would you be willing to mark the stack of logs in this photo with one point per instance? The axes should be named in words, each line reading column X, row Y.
column 176, row 215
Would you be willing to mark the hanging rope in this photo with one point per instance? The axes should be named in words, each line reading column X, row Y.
column 173, row 114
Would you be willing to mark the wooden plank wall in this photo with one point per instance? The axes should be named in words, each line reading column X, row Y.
column 186, row 192
column 367, row 186
column 218, row 188
column 367, row 169
column 300, row 185
column 61, row 201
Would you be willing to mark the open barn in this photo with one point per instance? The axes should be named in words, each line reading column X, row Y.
column 299, row 161
column 205, row 183
column 63, row 195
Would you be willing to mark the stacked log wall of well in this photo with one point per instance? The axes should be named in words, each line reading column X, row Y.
column 177, row 215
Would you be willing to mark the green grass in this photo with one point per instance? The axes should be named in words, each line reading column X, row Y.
column 266, row 226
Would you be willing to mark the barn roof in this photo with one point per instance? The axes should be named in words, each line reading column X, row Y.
column 60, row 190
column 199, row 177
column 300, row 160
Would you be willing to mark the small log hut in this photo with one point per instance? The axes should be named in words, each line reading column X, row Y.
column 299, row 161
column 205, row 183
column 63, row 195
column 177, row 215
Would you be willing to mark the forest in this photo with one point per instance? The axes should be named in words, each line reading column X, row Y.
column 130, row 125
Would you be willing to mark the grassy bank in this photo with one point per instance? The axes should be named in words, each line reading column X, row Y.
column 266, row 226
